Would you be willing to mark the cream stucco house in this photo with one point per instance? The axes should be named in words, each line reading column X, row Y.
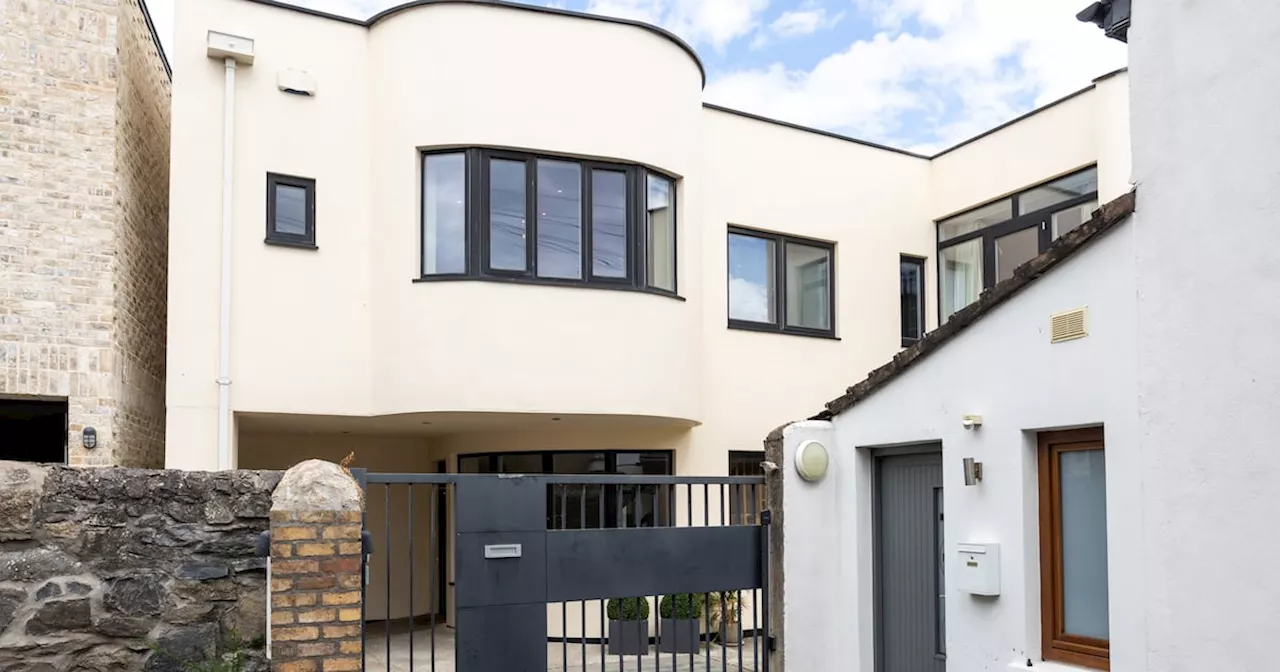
column 552, row 254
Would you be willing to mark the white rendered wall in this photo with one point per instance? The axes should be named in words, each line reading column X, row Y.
column 1206, row 86
column 1005, row 369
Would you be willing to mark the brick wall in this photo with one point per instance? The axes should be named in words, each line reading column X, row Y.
column 142, row 241
column 316, row 601
column 83, row 214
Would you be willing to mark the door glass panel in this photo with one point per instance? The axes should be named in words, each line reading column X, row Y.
column 520, row 463
column 1065, row 189
column 1083, row 475
column 1015, row 250
column 1066, row 220
column 961, row 275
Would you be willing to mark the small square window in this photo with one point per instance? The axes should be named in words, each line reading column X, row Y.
column 781, row 283
column 291, row 210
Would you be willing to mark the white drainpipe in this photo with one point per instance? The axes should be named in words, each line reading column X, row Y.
column 232, row 50
column 224, row 300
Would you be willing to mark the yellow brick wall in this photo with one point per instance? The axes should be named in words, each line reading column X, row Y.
column 84, row 127
column 142, row 240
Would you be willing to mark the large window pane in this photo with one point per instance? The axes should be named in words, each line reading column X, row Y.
column 1065, row 189
column 559, row 219
column 1066, row 220
column 1015, row 250
column 911, row 292
column 752, row 294
column 662, row 234
column 808, row 286
column 444, row 214
column 978, row 218
column 520, row 463
column 609, row 223
column 1084, row 543
column 961, row 273
column 507, row 215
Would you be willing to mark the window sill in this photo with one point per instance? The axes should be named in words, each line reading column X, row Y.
column 1048, row 666
column 773, row 329
column 550, row 282
column 291, row 243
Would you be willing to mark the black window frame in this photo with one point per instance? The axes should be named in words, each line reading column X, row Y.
column 918, row 263
column 614, row 493
column 477, row 232
column 989, row 234
column 306, row 240
column 746, row 502
column 780, row 241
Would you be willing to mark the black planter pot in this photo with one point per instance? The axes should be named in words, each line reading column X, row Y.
column 678, row 636
column 628, row 638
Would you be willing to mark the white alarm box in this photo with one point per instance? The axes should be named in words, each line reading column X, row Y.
column 979, row 569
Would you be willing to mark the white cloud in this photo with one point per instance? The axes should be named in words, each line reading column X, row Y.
column 711, row 22
column 962, row 66
column 801, row 22
column 748, row 300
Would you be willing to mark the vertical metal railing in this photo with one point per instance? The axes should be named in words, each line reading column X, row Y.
column 729, row 629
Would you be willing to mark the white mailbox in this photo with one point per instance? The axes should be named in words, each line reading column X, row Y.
column 979, row 569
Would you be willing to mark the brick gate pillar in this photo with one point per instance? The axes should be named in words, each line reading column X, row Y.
column 316, row 601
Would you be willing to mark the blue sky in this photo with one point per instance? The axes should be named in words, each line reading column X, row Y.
column 916, row 74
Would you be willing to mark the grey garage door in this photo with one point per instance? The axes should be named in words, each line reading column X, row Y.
column 909, row 554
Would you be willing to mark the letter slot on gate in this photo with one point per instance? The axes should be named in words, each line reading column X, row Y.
column 501, row 551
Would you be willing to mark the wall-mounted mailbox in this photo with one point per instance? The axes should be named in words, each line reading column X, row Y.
column 979, row 569
column 501, row 551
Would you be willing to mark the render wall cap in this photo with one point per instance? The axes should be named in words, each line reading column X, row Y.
column 316, row 485
column 391, row 11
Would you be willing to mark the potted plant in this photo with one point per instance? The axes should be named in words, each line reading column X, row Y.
column 628, row 626
column 724, row 609
column 678, row 631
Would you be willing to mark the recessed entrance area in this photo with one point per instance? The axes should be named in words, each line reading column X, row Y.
column 33, row 429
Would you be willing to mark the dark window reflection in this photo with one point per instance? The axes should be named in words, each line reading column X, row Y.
column 609, row 223
column 507, row 215
column 559, row 219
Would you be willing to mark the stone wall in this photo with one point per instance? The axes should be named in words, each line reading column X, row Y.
column 84, row 128
column 96, row 566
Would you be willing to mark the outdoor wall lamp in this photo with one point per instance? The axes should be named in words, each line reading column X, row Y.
column 89, row 437
column 972, row 471
column 812, row 460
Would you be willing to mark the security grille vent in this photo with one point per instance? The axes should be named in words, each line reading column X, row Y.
column 1067, row 326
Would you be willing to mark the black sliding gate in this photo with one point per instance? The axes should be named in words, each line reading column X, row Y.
column 489, row 573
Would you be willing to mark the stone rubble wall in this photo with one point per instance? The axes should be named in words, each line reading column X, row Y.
column 97, row 566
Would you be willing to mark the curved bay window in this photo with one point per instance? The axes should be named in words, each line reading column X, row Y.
column 502, row 215
column 983, row 246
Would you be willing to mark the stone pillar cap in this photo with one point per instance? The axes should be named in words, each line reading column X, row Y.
column 316, row 485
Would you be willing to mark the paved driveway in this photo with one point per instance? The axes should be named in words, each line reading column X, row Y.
column 561, row 657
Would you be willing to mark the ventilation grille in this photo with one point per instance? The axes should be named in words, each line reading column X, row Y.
column 1067, row 326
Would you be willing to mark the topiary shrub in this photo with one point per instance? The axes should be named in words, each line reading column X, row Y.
column 681, row 607
column 628, row 609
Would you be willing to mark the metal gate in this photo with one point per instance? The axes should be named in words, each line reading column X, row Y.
column 525, row 573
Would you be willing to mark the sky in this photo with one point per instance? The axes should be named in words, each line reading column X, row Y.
column 920, row 75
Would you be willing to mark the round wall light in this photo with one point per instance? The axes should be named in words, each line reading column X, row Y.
column 812, row 460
